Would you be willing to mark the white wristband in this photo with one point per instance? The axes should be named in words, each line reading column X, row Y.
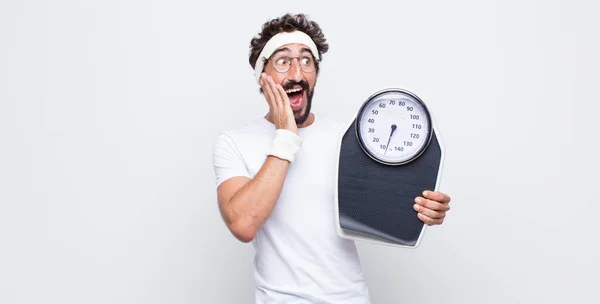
column 286, row 144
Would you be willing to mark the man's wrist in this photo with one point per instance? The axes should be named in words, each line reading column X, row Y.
column 286, row 145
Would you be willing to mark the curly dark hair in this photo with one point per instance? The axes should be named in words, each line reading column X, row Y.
column 288, row 23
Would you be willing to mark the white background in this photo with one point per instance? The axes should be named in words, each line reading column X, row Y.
column 109, row 109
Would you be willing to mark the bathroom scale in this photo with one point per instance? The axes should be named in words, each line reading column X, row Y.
column 389, row 153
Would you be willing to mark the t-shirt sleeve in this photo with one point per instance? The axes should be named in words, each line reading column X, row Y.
column 227, row 160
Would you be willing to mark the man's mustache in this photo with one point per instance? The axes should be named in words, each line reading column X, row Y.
column 291, row 84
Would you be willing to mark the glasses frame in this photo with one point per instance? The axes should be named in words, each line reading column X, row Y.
column 315, row 65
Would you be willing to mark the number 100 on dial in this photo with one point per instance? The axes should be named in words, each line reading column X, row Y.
column 393, row 127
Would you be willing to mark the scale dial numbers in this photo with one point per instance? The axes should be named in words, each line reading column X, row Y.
column 393, row 127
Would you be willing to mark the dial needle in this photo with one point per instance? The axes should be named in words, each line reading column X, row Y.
column 388, row 143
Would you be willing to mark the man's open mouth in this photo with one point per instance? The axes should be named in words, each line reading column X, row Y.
column 296, row 96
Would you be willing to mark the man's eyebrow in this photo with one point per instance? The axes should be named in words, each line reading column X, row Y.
column 280, row 50
column 305, row 49
column 302, row 50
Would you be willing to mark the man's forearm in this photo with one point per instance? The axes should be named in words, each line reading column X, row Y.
column 251, row 205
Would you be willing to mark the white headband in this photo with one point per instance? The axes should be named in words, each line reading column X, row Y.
column 279, row 40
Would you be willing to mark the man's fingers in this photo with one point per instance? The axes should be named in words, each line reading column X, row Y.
column 429, row 221
column 284, row 98
column 436, row 196
column 429, row 213
column 431, row 204
column 276, row 95
column 269, row 93
column 432, row 207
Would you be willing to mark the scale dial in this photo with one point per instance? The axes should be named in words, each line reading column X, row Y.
column 394, row 127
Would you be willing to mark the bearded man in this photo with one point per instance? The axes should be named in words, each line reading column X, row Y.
column 275, row 177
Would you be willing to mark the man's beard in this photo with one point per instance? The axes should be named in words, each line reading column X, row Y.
column 301, row 115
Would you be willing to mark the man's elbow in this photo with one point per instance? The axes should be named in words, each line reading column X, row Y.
column 244, row 232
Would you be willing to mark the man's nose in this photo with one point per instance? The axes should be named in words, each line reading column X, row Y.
column 295, row 72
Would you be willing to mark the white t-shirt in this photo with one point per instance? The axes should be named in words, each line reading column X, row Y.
column 299, row 256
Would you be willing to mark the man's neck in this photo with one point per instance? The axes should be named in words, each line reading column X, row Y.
column 309, row 121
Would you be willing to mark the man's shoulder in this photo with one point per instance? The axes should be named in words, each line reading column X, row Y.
column 251, row 126
column 332, row 123
column 244, row 131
